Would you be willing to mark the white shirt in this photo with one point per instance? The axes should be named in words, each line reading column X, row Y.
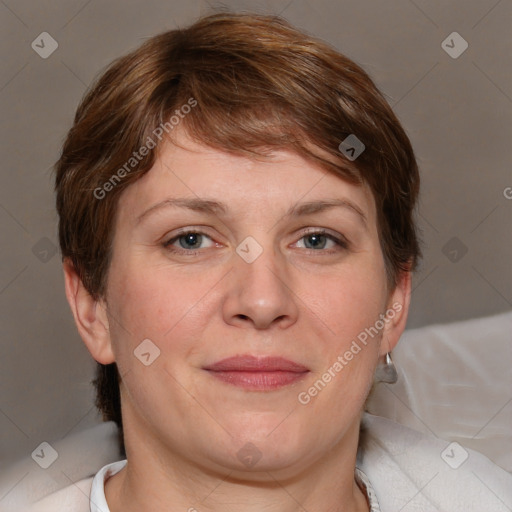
column 98, row 502
column 398, row 468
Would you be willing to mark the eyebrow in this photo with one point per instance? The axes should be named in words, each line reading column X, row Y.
column 196, row 205
column 310, row 207
column 210, row 206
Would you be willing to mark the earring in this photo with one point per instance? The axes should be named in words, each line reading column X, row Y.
column 386, row 371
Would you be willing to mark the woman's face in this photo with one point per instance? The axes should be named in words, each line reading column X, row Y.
column 267, row 269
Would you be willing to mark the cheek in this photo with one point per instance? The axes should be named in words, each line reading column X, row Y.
column 348, row 301
column 155, row 304
column 349, row 304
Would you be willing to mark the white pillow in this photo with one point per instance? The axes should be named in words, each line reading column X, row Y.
column 455, row 381
column 79, row 456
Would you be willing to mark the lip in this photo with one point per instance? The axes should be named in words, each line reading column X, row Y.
column 257, row 373
column 248, row 363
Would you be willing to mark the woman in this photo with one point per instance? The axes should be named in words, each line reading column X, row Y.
column 236, row 222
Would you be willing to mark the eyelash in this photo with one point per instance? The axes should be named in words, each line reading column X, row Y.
column 342, row 243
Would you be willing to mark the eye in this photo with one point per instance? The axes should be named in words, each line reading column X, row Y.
column 321, row 241
column 188, row 242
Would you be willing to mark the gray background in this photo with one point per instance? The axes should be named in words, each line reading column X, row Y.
column 457, row 112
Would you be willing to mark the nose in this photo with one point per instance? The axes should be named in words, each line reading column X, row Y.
column 260, row 294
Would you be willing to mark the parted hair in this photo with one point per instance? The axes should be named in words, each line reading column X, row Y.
column 246, row 84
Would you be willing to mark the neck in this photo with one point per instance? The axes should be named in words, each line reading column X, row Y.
column 157, row 478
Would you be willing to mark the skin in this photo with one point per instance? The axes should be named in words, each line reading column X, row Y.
column 307, row 303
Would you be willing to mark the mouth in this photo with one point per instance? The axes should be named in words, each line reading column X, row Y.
column 257, row 373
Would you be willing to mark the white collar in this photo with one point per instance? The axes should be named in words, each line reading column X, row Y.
column 98, row 502
column 365, row 486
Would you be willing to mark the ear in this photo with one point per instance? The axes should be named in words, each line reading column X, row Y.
column 396, row 312
column 90, row 316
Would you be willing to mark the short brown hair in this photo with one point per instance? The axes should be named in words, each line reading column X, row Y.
column 256, row 84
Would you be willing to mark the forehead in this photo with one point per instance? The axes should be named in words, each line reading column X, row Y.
column 248, row 185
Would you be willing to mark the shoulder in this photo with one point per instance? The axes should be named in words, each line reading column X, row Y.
column 412, row 471
column 83, row 496
column 73, row 498
column 65, row 484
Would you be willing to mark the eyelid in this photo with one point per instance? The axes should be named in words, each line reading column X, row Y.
column 323, row 231
column 183, row 231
